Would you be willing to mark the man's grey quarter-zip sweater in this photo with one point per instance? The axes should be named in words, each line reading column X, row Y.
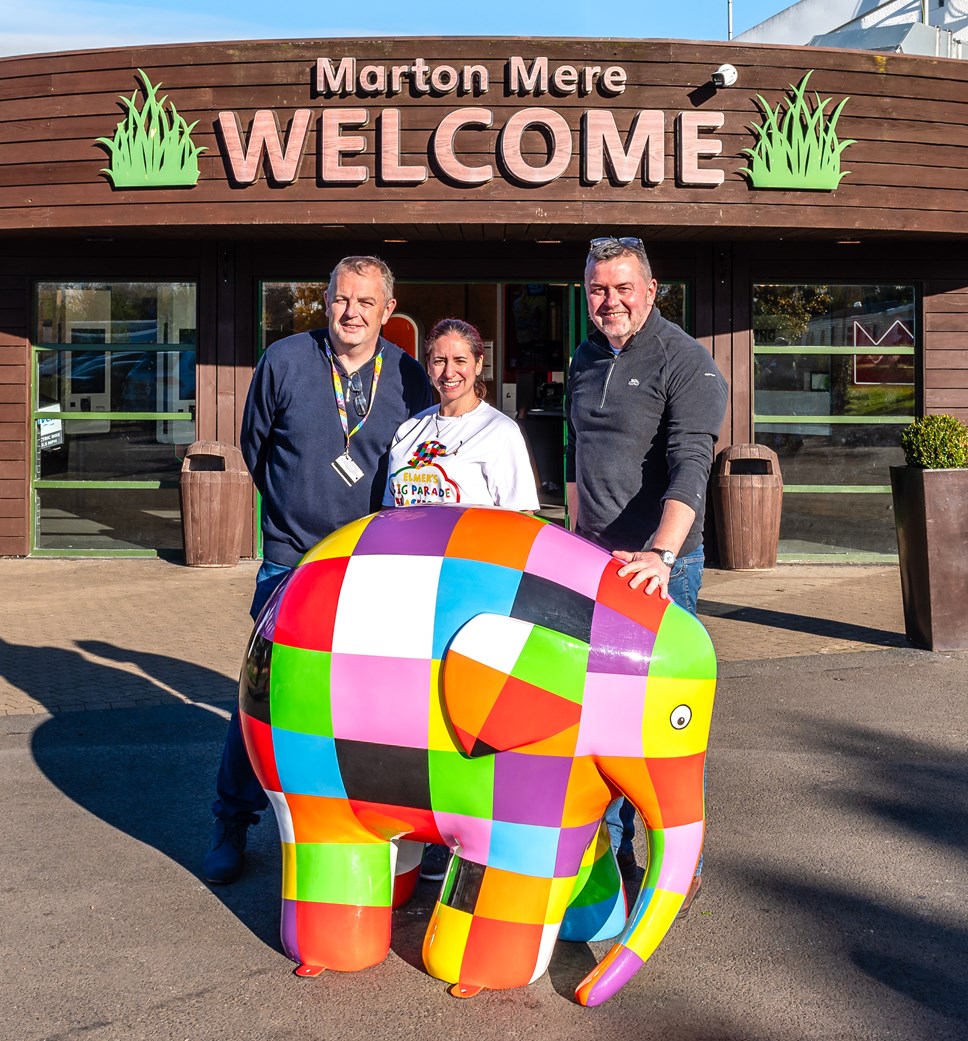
column 641, row 428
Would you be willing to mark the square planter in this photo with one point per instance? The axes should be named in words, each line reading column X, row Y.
column 931, row 519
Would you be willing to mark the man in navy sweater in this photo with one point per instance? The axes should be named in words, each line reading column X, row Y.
column 321, row 411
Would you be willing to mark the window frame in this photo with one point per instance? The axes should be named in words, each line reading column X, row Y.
column 38, row 414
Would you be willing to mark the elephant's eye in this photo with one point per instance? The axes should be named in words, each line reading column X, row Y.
column 680, row 717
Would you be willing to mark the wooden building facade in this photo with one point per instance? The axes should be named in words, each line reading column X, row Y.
column 168, row 211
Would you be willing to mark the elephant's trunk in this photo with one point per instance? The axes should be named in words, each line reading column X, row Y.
column 673, row 855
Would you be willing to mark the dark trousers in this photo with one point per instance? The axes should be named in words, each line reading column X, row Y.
column 239, row 796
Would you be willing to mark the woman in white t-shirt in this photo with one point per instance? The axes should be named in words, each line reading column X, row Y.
column 461, row 451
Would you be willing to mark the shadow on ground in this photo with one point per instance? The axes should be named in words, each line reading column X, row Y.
column 148, row 772
column 870, row 927
column 799, row 623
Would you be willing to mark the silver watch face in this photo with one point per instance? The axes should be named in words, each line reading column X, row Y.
column 667, row 557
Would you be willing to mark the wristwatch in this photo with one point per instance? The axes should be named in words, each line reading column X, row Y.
column 665, row 555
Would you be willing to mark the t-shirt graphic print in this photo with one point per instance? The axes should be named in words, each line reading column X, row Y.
column 423, row 481
column 475, row 459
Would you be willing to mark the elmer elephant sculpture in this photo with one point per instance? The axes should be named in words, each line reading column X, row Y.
column 477, row 678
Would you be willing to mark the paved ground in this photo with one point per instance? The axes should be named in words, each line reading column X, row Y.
column 83, row 634
column 833, row 904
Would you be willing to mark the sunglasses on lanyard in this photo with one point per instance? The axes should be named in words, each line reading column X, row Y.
column 359, row 398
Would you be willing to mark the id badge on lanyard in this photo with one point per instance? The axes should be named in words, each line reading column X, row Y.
column 344, row 464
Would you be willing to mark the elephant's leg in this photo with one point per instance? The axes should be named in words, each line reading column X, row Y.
column 406, row 870
column 493, row 928
column 336, row 904
column 597, row 909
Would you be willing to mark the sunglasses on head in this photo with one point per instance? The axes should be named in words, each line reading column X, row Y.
column 359, row 398
column 624, row 240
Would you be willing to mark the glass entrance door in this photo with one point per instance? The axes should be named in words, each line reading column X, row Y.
column 543, row 323
column 529, row 331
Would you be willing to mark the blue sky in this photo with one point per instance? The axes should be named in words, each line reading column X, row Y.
column 55, row 25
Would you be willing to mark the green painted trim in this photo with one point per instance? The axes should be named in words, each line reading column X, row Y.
column 836, row 558
column 834, row 489
column 63, row 553
column 106, row 485
column 115, row 345
column 836, row 420
column 836, row 351
column 183, row 417
column 33, row 518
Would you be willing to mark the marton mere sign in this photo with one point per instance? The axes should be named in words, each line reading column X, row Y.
column 452, row 153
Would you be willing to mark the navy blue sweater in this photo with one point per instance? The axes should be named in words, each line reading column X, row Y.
column 291, row 434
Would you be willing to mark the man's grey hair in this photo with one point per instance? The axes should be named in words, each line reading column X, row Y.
column 611, row 248
column 362, row 266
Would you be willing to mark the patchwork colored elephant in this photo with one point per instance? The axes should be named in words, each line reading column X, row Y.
column 477, row 678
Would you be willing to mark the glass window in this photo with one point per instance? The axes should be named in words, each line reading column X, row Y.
column 105, row 519
column 817, row 524
column 671, row 300
column 117, row 380
column 832, row 454
column 144, row 450
column 828, row 385
column 114, row 401
column 291, row 307
column 115, row 312
column 833, row 385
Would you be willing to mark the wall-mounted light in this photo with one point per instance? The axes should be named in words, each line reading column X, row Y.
column 724, row 76
column 392, row 241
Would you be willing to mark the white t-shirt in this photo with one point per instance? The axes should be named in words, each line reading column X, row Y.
column 477, row 459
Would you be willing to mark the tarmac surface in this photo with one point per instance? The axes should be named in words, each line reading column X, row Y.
column 836, row 861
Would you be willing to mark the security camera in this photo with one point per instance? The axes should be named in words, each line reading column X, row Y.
column 724, row 76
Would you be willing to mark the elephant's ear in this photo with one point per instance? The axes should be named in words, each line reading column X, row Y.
column 508, row 683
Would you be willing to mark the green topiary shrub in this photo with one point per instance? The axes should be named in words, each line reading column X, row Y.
column 936, row 443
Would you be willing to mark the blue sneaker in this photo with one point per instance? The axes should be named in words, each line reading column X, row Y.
column 433, row 867
column 223, row 863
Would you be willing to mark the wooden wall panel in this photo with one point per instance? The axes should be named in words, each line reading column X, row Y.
column 948, row 361
column 14, row 451
column 741, row 333
column 946, row 346
column 908, row 167
column 238, row 374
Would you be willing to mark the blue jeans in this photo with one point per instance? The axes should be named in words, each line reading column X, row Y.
column 684, row 584
column 266, row 581
column 240, row 797
column 686, row 579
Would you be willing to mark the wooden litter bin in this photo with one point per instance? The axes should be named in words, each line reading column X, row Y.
column 747, row 492
column 215, row 494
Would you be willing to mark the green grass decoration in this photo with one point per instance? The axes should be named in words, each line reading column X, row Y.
column 797, row 148
column 151, row 149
